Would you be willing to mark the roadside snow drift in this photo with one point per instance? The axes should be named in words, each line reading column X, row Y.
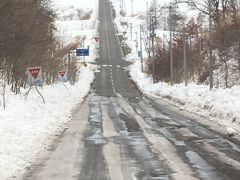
column 222, row 105
column 27, row 126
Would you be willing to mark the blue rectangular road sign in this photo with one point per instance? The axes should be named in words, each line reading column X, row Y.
column 82, row 52
column 139, row 53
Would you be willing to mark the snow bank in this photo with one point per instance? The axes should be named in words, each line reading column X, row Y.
column 220, row 104
column 27, row 126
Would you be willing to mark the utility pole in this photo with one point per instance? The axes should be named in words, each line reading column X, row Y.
column 121, row 4
column 131, row 31
column 147, row 15
column 185, row 73
column 141, row 52
column 132, row 8
column 210, row 46
column 136, row 42
column 148, row 32
column 153, row 51
column 170, row 44
column 145, row 42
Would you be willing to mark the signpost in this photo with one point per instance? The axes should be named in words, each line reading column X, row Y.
column 82, row 52
column 61, row 73
column 35, row 79
column 139, row 53
column 62, row 76
column 97, row 39
column 35, row 76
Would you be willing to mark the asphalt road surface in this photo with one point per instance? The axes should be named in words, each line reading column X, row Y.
column 120, row 134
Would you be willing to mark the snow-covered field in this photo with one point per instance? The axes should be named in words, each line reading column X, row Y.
column 28, row 126
column 221, row 106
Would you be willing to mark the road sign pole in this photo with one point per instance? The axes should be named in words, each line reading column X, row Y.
column 84, row 48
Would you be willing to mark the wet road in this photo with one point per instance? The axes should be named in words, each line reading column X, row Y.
column 120, row 134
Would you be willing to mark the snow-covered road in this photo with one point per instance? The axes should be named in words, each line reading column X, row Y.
column 116, row 132
column 124, row 134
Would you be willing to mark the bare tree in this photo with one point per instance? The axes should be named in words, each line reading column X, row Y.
column 27, row 39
